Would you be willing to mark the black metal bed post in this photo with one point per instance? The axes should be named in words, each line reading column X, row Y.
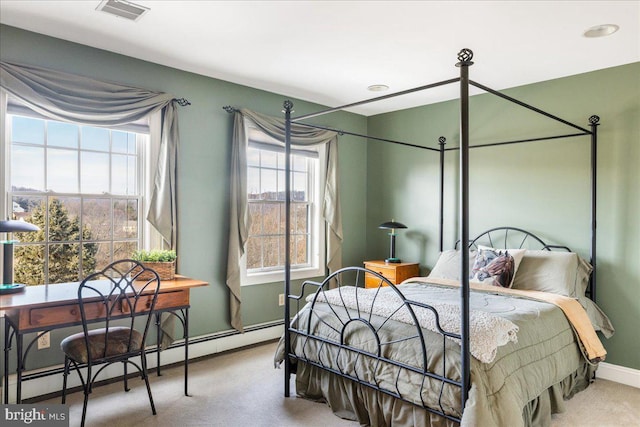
column 288, row 105
column 441, row 141
column 465, row 56
column 594, row 122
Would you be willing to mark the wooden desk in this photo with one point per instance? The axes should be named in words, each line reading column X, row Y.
column 46, row 307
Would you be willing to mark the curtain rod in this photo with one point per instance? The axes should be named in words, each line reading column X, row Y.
column 183, row 102
column 230, row 109
column 342, row 132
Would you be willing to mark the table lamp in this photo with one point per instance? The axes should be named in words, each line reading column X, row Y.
column 11, row 226
column 392, row 225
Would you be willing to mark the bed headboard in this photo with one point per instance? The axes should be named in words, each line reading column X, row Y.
column 510, row 238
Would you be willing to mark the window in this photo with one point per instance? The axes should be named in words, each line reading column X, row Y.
column 82, row 185
column 265, row 251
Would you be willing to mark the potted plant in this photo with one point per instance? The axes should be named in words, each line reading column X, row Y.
column 162, row 262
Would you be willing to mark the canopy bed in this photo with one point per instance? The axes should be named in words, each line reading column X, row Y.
column 432, row 351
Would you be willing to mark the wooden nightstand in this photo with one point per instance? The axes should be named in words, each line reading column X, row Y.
column 395, row 273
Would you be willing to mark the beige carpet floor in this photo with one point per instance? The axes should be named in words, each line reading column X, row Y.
column 243, row 389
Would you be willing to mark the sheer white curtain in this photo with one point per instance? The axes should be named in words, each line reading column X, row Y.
column 69, row 97
column 239, row 217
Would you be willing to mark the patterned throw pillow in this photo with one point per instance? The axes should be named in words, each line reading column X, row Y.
column 496, row 267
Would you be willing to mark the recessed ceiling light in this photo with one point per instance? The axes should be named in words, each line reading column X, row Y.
column 601, row 30
column 378, row 88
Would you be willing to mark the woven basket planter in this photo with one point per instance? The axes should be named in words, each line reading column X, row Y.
column 166, row 270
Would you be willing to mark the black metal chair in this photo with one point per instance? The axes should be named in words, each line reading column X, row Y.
column 121, row 302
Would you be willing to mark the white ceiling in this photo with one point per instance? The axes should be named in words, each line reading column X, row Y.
column 330, row 51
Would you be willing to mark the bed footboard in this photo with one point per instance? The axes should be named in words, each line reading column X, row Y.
column 354, row 333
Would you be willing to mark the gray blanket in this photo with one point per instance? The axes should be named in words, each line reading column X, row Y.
column 545, row 354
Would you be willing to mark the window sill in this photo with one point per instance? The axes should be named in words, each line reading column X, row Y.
column 278, row 276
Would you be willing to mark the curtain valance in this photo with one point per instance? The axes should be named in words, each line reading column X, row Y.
column 69, row 97
column 301, row 136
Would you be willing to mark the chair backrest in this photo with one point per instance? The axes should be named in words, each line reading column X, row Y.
column 118, row 292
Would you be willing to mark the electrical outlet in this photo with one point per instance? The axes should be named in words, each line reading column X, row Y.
column 281, row 299
column 44, row 341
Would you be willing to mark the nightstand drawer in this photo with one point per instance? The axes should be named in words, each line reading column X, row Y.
column 389, row 273
column 395, row 273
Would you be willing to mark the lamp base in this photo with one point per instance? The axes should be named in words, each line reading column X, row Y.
column 392, row 260
column 11, row 288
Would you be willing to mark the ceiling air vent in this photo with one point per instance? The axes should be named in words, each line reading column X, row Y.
column 123, row 9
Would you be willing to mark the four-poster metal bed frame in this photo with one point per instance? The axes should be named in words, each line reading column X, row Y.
column 465, row 57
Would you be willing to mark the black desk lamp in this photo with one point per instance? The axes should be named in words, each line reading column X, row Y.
column 11, row 226
column 392, row 225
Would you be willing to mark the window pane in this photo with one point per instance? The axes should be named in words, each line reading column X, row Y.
column 31, row 209
column 299, row 186
column 64, row 222
column 132, row 168
column 299, row 250
column 253, row 183
column 122, row 250
column 62, row 134
column 62, row 170
column 254, row 252
column 253, row 157
column 255, row 210
column 299, row 163
column 125, row 218
column 27, row 168
column 268, row 188
column 271, row 249
column 268, row 159
column 76, row 233
column 95, row 138
column 64, row 262
column 282, row 186
column 27, row 130
column 89, row 258
column 96, row 216
column 270, row 218
column 94, row 172
column 28, row 264
column 119, row 169
column 300, row 218
column 119, row 142
column 103, row 255
column 131, row 141
column 283, row 219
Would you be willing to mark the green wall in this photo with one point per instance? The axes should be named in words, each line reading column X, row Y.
column 543, row 187
column 203, row 169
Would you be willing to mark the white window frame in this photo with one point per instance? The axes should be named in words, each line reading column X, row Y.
column 147, row 140
column 317, row 224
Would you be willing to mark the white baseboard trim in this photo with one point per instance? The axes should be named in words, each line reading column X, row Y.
column 619, row 374
column 53, row 383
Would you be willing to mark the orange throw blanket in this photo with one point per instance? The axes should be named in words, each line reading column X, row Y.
column 572, row 309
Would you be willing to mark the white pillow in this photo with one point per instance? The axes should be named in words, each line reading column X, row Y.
column 448, row 265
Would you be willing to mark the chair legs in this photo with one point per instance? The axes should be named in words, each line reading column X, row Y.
column 67, row 363
column 126, row 384
column 88, row 384
column 145, row 376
